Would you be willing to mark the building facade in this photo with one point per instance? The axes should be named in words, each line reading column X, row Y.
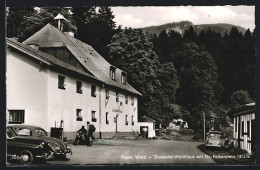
column 146, row 127
column 55, row 80
column 244, row 127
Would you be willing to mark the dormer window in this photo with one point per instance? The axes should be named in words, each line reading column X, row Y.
column 112, row 72
column 123, row 78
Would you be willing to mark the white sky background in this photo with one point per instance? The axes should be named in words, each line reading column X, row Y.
column 138, row 17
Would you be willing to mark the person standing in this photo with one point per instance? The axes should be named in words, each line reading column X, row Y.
column 88, row 126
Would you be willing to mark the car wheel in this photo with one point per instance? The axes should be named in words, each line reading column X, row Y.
column 26, row 157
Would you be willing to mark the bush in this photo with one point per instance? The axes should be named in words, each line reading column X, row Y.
column 197, row 137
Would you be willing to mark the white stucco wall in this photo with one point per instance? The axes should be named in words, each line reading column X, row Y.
column 151, row 130
column 112, row 108
column 63, row 104
column 36, row 91
column 27, row 88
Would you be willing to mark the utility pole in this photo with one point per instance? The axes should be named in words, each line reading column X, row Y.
column 204, row 126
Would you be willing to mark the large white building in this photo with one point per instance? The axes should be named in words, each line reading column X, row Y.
column 55, row 80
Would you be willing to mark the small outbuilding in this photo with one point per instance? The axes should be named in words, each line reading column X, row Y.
column 244, row 127
column 146, row 127
column 177, row 124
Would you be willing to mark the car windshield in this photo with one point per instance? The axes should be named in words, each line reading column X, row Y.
column 215, row 135
column 10, row 132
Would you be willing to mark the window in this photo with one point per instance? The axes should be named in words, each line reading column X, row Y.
column 107, row 94
column 117, row 97
column 16, row 116
column 235, row 124
column 61, row 82
column 248, row 128
column 10, row 132
column 93, row 91
column 40, row 132
column 107, row 122
column 132, row 101
column 79, row 87
column 78, row 114
column 243, row 128
column 112, row 72
column 126, row 99
column 123, row 78
column 133, row 120
column 126, row 122
column 93, row 115
column 25, row 132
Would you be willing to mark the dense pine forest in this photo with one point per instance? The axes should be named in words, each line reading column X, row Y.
column 180, row 75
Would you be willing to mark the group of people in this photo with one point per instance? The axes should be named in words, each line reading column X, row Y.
column 90, row 129
column 85, row 136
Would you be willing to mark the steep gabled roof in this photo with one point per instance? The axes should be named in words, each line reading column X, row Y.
column 46, row 58
column 50, row 36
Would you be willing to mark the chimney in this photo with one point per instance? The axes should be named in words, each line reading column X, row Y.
column 60, row 19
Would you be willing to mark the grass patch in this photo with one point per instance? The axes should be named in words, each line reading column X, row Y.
column 228, row 156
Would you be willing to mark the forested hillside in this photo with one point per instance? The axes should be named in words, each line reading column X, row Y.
column 205, row 68
column 182, row 26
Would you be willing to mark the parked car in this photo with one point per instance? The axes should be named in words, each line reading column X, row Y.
column 25, row 150
column 217, row 139
column 61, row 150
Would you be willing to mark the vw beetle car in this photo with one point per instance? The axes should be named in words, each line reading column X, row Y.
column 60, row 149
column 25, row 150
column 217, row 139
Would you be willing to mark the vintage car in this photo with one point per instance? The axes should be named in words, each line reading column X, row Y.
column 217, row 139
column 25, row 150
column 61, row 150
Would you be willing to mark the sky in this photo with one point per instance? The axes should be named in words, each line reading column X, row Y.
column 138, row 17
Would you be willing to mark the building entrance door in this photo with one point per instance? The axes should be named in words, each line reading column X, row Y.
column 144, row 131
column 115, row 120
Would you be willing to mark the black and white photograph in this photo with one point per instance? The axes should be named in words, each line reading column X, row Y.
column 130, row 85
